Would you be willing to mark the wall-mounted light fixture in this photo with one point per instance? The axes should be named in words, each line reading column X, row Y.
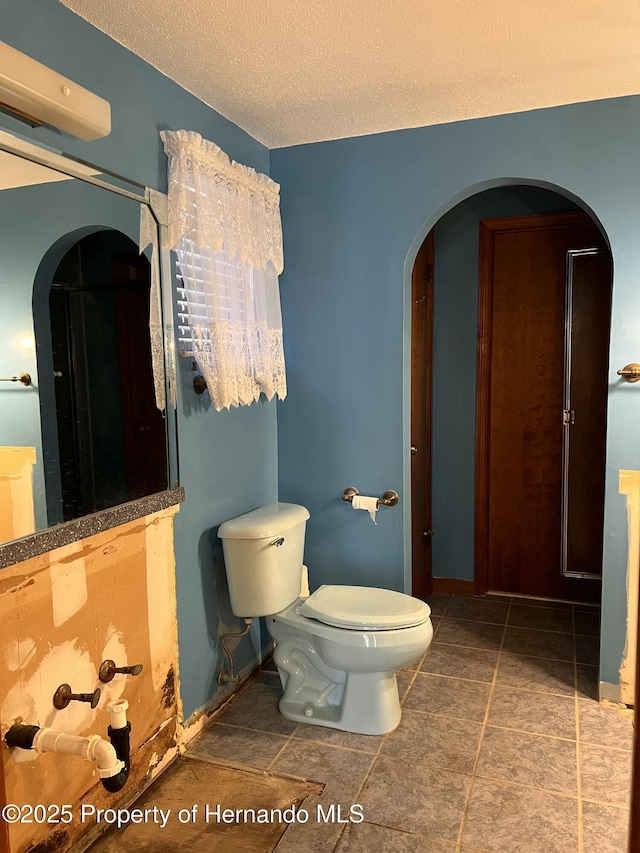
column 36, row 94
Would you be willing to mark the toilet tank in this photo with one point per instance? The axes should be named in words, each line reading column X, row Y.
column 263, row 558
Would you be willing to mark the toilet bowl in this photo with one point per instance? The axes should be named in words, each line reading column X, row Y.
column 344, row 676
column 337, row 650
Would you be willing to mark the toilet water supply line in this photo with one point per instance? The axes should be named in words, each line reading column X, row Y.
column 112, row 758
column 224, row 675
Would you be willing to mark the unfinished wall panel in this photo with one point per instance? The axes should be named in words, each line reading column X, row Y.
column 630, row 487
column 111, row 596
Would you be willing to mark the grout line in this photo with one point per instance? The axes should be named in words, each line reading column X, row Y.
column 529, row 732
column 374, row 759
column 585, row 742
column 484, row 728
column 511, row 783
column 467, row 621
column 412, row 676
column 446, row 607
column 452, row 677
column 619, row 806
column 515, row 654
column 282, row 748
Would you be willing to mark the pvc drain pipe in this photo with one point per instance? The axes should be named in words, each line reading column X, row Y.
column 92, row 748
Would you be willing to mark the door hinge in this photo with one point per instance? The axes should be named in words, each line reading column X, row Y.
column 568, row 417
column 430, row 273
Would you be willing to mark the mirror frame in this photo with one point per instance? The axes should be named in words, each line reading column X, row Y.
column 56, row 536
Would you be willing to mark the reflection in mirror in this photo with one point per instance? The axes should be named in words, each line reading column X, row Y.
column 110, row 435
column 85, row 434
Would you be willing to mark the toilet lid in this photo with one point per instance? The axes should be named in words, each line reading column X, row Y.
column 364, row 608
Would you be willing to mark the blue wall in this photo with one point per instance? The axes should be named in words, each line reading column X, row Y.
column 355, row 212
column 228, row 461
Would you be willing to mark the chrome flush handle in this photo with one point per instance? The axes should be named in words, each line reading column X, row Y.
column 278, row 542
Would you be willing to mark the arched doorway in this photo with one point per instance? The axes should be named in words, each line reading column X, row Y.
column 106, row 436
column 482, row 382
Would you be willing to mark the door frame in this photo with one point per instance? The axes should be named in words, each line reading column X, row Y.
column 421, row 404
column 488, row 228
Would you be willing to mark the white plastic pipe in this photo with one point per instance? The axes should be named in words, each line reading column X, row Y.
column 92, row 748
column 118, row 713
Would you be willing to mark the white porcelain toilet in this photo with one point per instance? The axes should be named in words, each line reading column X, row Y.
column 337, row 650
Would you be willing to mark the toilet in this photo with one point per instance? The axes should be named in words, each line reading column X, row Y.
column 337, row 650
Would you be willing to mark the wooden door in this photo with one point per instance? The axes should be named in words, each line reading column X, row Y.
column 521, row 373
column 421, row 370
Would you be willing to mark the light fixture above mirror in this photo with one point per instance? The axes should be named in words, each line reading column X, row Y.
column 38, row 95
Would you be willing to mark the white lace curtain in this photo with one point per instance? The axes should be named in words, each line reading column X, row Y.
column 224, row 225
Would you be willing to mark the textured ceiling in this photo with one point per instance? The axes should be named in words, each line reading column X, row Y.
column 292, row 71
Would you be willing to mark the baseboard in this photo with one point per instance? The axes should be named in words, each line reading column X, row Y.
column 609, row 692
column 453, row 586
column 194, row 724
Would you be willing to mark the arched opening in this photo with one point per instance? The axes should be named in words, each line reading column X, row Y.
column 104, row 439
column 487, row 379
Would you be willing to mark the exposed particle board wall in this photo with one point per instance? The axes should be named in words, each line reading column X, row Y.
column 630, row 487
column 61, row 615
column 16, row 492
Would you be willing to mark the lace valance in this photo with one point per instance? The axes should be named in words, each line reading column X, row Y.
column 242, row 215
column 224, row 226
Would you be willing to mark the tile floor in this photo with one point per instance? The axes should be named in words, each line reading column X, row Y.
column 502, row 747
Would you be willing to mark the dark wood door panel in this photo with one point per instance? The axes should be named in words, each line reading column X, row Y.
column 520, row 402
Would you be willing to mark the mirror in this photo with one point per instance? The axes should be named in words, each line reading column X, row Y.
column 79, row 427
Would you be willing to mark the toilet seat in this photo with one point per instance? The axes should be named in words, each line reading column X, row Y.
column 364, row 608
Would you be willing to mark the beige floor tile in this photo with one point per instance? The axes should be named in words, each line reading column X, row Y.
column 256, row 707
column 404, row 680
column 541, row 713
column 478, row 610
column 453, row 697
column 605, row 829
column 341, row 770
column 415, row 798
column 539, row 674
column 543, row 618
column 541, row 602
column 335, row 737
column 475, row 664
column 316, row 836
column 238, row 746
column 478, row 635
column 540, row 644
column 605, row 725
column 588, row 650
column 504, row 818
column 605, row 774
column 588, row 681
column 587, row 623
column 438, row 603
column 534, row 760
column 437, row 741
column 369, row 838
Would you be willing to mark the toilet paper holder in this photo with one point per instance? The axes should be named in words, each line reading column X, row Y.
column 389, row 498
